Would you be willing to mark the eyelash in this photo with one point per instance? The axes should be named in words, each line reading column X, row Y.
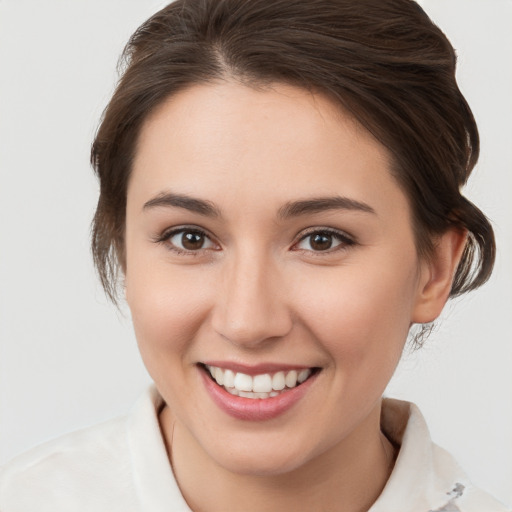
column 343, row 238
column 166, row 236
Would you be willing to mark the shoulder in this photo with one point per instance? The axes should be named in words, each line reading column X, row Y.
column 477, row 500
column 463, row 496
column 425, row 477
column 120, row 466
column 68, row 471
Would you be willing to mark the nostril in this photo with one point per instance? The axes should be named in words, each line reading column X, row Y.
column 250, row 308
column 250, row 330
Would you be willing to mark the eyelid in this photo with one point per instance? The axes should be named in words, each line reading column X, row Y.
column 167, row 234
column 345, row 239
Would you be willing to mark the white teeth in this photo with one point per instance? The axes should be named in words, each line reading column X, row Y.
column 262, row 383
column 303, row 375
column 291, row 379
column 278, row 382
column 243, row 382
column 229, row 378
column 248, row 394
column 219, row 376
column 257, row 386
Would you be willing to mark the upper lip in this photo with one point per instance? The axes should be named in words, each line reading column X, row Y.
column 256, row 369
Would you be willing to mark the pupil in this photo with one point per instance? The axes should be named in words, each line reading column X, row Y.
column 192, row 241
column 321, row 242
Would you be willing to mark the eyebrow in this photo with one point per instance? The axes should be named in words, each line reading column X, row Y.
column 322, row 204
column 192, row 204
column 291, row 209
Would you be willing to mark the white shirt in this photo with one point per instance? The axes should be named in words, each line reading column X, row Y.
column 122, row 466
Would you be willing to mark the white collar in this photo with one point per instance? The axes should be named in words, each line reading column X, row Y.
column 154, row 480
column 425, row 478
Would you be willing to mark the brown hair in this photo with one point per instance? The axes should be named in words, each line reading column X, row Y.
column 383, row 61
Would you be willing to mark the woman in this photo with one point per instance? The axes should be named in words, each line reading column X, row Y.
column 280, row 194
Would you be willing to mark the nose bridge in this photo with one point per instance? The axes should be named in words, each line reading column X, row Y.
column 253, row 308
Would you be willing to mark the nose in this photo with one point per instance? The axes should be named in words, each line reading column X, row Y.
column 251, row 309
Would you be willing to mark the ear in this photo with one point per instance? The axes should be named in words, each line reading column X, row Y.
column 437, row 275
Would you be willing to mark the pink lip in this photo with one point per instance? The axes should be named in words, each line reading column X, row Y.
column 256, row 369
column 249, row 409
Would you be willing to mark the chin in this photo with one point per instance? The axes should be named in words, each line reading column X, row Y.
column 255, row 465
column 259, row 458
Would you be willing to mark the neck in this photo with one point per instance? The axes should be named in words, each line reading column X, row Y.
column 348, row 477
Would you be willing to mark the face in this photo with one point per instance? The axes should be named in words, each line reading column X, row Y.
column 267, row 244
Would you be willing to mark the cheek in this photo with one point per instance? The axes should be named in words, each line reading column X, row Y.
column 361, row 315
column 167, row 308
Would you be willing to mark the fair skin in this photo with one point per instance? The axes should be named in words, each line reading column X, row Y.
column 332, row 286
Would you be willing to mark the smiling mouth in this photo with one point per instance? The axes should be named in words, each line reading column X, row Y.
column 261, row 386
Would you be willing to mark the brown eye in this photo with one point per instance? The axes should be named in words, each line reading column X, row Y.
column 321, row 242
column 324, row 241
column 190, row 240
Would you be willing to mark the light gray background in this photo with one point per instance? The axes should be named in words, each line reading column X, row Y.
column 68, row 359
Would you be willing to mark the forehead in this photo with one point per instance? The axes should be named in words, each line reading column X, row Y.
column 228, row 140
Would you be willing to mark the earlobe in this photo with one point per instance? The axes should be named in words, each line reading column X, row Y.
column 437, row 275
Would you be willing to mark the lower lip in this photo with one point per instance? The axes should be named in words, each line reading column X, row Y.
column 255, row 409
